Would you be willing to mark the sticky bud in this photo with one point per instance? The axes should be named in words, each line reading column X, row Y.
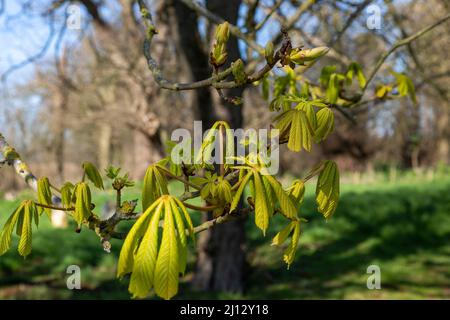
column 218, row 55
column 237, row 68
column 268, row 52
column 222, row 32
column 300, row 56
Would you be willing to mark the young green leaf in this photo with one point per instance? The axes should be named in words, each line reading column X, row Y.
column 289, row 254
column 332, row 92
column 282, row 236
column 167, row 263
column 296, row 191
column 327, row 190
column 381, row 91
column 66, row 194
column 354, row 69
column 295, row 126
column 155, row 185
column 5, row 239
column 187, row 217
column 261, row 208
column 325, row 124
column 93, row 174
column 22, row 218
column 237, row 196
column 141, row 280
column 44, row 194
column 24, row 247
column 287, row 207
column 181, row 230
column 83, row 203
column 126, row 257
column 405, row 86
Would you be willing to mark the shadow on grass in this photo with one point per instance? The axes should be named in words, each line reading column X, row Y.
column 406, row 231
column 404, row 227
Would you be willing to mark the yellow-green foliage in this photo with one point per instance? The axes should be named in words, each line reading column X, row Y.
column 93, row 174
column 44, row 194
column 266, row 191
column 155, row 185
column 22, row 219
column 293, row 230
column 66, row 194
column 82, row 203
column 153, row 263
column 327, row 190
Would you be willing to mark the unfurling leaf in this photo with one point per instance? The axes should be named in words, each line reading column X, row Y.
column 222, row 32
column 153, row 263
column 240, row 191
column 289, row 253
column 237, row 69
column 282, row 236
column 268, row 53
column 325, row 124
column 93, row 174
column 141, row 280
column 223, row 191
column 332, row 92
column 155, row 185
column 297, row 191
column 112, row 172
column 82, row 203
column 294, row 127
column 22, row 218
column 299, row 56
column 327, row 190
column 381, row 91
column 24, row 247
column 167, row 264
column 5, row 240
column 405, row 86
column 354, row 69
column 66, row 194
column 287, row 208
column 261, row 208
column 44, row 194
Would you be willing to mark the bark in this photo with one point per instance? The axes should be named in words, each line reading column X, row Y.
column 443, row 146
column 104, row 145
column 189, row 46
column 221, row 250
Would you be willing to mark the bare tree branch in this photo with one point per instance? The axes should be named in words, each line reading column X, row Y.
column 401, row 43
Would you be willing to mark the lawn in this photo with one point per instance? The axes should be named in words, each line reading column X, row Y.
column 403, row 227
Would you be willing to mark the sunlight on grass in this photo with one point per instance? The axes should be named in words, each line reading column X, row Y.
column 402, row 227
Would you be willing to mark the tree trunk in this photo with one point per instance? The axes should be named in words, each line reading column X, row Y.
column 104, row 145
column 221, row 250
column 443, row 146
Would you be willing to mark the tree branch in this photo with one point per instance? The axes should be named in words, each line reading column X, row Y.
column 399, row 44
column 234, row 30
column 213, row 81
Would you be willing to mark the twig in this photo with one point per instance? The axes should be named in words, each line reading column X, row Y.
column 219, row 220
column 234, row 30
column 399, row 44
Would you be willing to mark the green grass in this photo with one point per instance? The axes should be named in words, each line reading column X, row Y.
column 402, row 227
